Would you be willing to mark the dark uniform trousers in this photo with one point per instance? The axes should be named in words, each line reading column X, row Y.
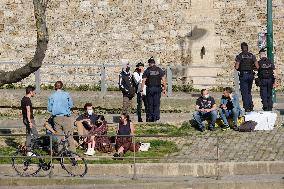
column 153, row 94
column 246, row 81
column 141, row 98
column 266, row 86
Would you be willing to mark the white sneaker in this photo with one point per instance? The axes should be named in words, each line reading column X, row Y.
column 90, row 152
column 30, row 154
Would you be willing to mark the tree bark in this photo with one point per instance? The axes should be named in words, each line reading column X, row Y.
column 42, row 41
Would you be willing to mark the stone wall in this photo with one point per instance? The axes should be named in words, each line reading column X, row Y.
column 119, row 31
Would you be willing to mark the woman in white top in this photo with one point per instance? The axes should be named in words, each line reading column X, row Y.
column 141, row 96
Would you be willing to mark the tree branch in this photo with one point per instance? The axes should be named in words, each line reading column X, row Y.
column 42, row 41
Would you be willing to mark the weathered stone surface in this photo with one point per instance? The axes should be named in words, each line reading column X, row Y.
column 106, row 31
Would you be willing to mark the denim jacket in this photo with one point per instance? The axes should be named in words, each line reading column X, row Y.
column 235, row 101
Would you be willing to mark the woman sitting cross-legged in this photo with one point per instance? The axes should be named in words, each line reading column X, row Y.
column 95, row 139
column 124, row 142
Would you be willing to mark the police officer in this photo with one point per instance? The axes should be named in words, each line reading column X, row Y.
column 245, row 63
column 266, row 80
column 153, row 77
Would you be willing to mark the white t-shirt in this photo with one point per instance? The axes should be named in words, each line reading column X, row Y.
column 138, row 81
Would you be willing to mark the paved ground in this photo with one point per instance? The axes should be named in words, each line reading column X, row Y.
column 235, row 182
column 231, row 146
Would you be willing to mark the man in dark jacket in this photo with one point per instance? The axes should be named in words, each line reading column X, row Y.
column 266, row 79
column 127, row 88
column 155, row 80
column 246, row 63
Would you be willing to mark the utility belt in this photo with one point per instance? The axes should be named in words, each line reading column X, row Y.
column 154, row 86
column 249, row 72
column 61, row 116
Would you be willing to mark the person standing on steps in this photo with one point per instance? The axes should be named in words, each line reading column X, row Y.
column 266, row 80
column 126, row 86
column 155, row 80
column 28, row 118
column 141, row 96
column 246, row 63
column 60, row 104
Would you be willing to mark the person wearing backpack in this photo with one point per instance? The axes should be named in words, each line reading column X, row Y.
column 126, row 86
column 266, row 80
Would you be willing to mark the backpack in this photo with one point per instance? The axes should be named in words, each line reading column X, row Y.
column 247, row 126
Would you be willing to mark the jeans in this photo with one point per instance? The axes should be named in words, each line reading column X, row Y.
column 199, row 117
column 227, row 113
column 246, row 81
column 266, row 86
column 31, row 133
column 153, row 101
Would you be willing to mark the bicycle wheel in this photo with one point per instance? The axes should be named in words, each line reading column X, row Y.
column 73, row 163
column 26, row 165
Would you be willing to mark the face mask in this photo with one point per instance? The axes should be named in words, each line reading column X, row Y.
column 206, row 96
column 90, row 112
column 127, row 69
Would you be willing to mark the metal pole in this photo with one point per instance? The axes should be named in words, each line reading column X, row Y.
column 170, row 80
column 103, row 81
column 51, row 154
column 218, row 160
column 269, row 31
column 134, row 160
column 37, row 80
column 236, row 82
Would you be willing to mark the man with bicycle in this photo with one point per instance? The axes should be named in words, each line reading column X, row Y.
column 28, row 118
column 60, row 104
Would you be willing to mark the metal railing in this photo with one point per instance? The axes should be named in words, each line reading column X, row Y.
column 103, row 75
column 243, row 147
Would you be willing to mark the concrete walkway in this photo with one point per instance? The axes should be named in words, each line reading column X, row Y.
column 183, row 182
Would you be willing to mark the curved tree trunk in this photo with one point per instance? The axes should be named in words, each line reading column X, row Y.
column 42, row 41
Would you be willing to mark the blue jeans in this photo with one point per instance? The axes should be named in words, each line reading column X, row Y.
column 246, row 81
column 199, row 117
column 153, row 95
column 227, row 113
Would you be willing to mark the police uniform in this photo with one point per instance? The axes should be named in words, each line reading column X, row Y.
column 153, row 75
column 246, row 76
column 266, row 80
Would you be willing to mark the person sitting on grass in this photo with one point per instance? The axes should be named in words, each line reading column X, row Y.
column 85, row 121
column 230, row 107
column 205, row 109
column 124, row 142
column 95, row 139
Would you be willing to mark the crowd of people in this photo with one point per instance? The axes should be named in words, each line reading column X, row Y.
column 147, row 85
column 92, row 128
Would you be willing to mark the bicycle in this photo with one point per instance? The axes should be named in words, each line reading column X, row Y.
column 71, row 162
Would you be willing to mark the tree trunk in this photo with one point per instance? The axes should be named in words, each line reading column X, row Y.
column 42, row 41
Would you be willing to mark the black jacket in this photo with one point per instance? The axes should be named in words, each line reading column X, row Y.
column 126, row 84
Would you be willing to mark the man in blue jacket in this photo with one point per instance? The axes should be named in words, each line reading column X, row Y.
column 60, row 104
column 230, row 106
